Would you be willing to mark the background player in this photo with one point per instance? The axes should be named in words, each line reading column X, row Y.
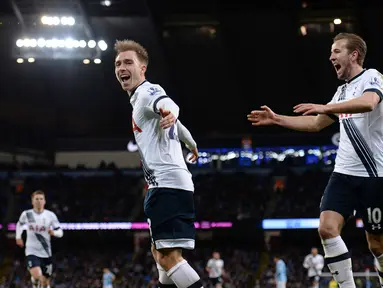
column 356, row 182
column 39, row 222
column 169, row 203
column 107, row 278
column 280, row 272
column 215, row 269
column 314, row 263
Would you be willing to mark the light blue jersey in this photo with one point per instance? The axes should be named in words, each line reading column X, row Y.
column 107, row 279
column 280, row 271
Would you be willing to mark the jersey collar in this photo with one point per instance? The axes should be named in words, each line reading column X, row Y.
column 135, row 89
column 356, row 76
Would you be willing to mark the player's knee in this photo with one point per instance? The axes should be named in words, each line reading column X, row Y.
column 44, row 281
column 328, row 230
column 154, row 253
column 375, row 243
column 375, row 247
column 330, row 224
column 35, row 272
column 169, row 257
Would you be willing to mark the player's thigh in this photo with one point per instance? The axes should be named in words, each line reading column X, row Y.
column 214, row 281
column 281, row 284
column 370, row 204
column 34, row 266
column 171, row 217
column 47, row 267
column 339, row 196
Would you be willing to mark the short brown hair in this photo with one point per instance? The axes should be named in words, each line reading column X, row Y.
column 354, row 43
column 38, row 192
column 130, row 45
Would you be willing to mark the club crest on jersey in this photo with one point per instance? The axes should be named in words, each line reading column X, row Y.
column 376, row 82
column 135, row 127
column 36, row 228
column 153, row 91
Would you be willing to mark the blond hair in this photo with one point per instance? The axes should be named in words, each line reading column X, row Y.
column 130, row 45
column 354, row 43
column 38, row 192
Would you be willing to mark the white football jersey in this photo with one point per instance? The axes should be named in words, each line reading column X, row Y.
column 216, row 267
column 38, row 239
column 314, row 265
column 360, row 151
column 160, row 149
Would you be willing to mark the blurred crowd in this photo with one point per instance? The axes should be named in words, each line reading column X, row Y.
column 219, row 196
column 84, row 269
column 117, row 195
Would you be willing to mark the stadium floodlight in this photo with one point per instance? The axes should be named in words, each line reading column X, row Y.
column 55, row 20
column 31, row 60
column 106, row 3
column 70, row 21
column 97, row 61
column 86, row 61
column 46, row 20
column 337, row 21
column 33, row 43
column 54, row 43
column 102, row 45
column 20, row 60
column 91, row 43
column 20, row 43
column 41, row 42
column 82, row 43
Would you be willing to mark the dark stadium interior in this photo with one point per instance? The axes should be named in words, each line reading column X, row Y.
column 65, row 127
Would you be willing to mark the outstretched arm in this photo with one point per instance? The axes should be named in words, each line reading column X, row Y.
column 299, row 123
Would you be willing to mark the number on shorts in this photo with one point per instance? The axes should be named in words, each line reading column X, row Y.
column 374, row 215
column 49, row 269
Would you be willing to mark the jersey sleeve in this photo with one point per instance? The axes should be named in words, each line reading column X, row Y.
column 306, row 263
column 374, row 83
column 320, row 264
column 55, row 222
column 209, row 263
column 19, row 225
column 23, row 218
column 159, row 99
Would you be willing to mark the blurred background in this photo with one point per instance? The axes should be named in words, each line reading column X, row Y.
column 66, row 129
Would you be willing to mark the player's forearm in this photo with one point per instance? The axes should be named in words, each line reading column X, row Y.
column 298, row 123
column 185, row 136
column 358, row 105
column 19, row 230
column 169, row 104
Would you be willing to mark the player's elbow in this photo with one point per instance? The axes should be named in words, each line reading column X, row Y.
column 369, row 106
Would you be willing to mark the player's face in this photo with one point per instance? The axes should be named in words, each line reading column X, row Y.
column 216, row 255
column 38, row 202
column 342, row 59
column 130, row 72
column 314, row 251
column 275, row 259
